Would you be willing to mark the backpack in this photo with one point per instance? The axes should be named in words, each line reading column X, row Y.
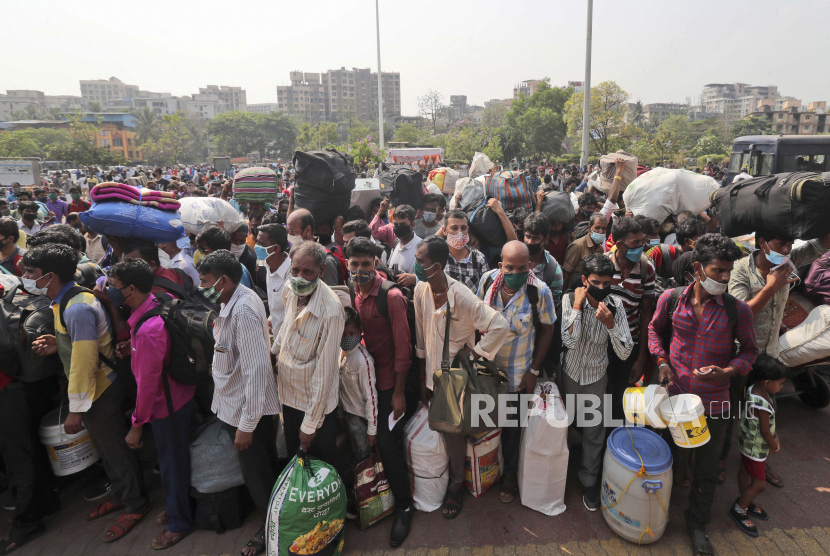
column 667, row 282
column 730, row 305
column 336, row 252
column 582, row 229
column 87, row 274
column 23, row 319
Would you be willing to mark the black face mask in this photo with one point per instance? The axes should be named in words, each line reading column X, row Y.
column 587, row 213
column 402, row 230
column 520, row 234
column 28, row 217
column 534, row 248
column 323, row 239
column 597, row 293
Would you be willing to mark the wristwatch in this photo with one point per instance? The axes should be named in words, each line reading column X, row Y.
column 535, row 372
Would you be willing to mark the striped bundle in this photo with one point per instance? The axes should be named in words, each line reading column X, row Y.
column 255, row 185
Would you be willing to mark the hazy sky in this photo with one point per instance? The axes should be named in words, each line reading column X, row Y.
column 657, row 50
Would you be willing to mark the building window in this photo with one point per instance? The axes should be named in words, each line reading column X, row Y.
column 117, row 143
column 130, row 154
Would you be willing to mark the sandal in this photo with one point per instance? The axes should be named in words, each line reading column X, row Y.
column 161, row 519
column 509, row 488
column 6, row 543
column 125, row 524
column 452, row 503
column 104, row 509
column 771, row 478
column 257, row 543
column 167, row 539
column 685, row 483
column 699, row 538
column 743, row 522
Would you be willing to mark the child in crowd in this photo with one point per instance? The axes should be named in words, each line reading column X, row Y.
column 757, row 439
column 357, row 388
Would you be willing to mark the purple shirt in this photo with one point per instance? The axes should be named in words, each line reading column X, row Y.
column 59, row 207
column 150, row 354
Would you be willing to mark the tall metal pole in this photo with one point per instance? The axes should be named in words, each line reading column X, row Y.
column 586, row 109
column 380, row 77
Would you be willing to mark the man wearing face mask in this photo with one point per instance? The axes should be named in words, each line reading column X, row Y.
column 244, row 253
column 591, row 243
column 592, row 319
column 57, row 206
column 633, row 285
column 467, row 265
column 545, row 267
column 433, row 215
column 401, row 237
column 526, row 304
column 700, row 360
column 215, row 239
column 273, row 269
column 388, row 340
column 245, row 396
column 77, row 204
column 766, row 292
column 28, row 213
column 10, row 252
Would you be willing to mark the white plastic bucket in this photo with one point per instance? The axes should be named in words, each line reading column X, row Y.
column 68, row 453
column 642, row 405
column 684, row 416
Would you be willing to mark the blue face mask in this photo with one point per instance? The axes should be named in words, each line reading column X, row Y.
column 653, row 242
column 262, row 252
column 599, row 239
column 634, row 255
column 775, row 258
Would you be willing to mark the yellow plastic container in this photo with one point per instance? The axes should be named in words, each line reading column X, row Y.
column 684, row 416
column 642, row 405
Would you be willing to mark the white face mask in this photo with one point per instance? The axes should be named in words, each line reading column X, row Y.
column 712, row 286
column 237, row 250
column 295, row 240
column 459, row 240
column 31, row 286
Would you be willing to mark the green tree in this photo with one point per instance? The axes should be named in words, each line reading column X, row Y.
column 430, row 106
column 708, row 144
column 637, row 115
column 752, row 125
column 13, row 143
column 176, row 142
column 408, row 133
column 493, row 116
column 537, row 122
column 147, row 125
column 95, row 107
column 607, row 111
column 671, row 137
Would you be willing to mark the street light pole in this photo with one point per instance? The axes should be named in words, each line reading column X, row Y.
column 380, row 76
column 586, row 101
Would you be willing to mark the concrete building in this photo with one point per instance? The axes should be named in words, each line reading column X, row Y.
column 791, row 120
column 110, row 93
column 263, row 108
column 19, row 100
column 498, row 101
column 658, row 111
column 305, row 97
column 64, row 103
column 526, row 88
column 162, row 104
column 207, row 105
column 231, row 98
column 738, row 99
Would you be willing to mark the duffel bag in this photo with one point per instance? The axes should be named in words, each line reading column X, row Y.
column 809, row 341
column 558, row 207
column 255, row 185
column 23, row 319
column 511, row 189
column 122, row 219
column 793, row 205
column 402, row 185
column 324, row 207
column 327, row 170
column 221, row 511
column 486, row 225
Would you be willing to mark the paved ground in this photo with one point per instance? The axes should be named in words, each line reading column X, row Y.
column 800, row 515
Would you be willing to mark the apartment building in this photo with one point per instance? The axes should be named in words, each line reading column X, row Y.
column 263, row 108
column 305, row 97
column 792, row 120
column 526, row 88
column 64, row 103
column 109, row 93
column 18, row 100
column 738, row 99
column 231, row 98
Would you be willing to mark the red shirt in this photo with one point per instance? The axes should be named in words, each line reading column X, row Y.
column 170, row 275
column 557, row 248
column 81, row 206
column 388, row 341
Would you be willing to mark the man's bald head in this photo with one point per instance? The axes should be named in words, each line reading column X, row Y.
column 300, row 223
column 514, row 257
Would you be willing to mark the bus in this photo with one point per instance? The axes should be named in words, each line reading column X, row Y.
column 763, row 155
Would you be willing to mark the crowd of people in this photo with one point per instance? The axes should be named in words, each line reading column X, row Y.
column 359, row 313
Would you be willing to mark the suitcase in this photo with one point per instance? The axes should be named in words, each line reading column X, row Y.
column 511, row 189
column 793, row 205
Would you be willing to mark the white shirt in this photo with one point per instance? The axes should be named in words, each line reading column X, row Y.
column 309, row 371
column 36, row 226
column 357, row 386
column 243, row 378
column 741, row 177
column 185, row 262
column 275, row 283
column 95, row 249
column 468, row 313
column 404, row 255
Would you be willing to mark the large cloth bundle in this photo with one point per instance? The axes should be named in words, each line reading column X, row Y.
column 214, row 463
column 607, row 170
column 123, row 219
column 111, row 191
column 324, row 183
column 307, row 510
column 543, row 458
column 661, row 192
column 558, row 207
column 445, row 179
column 255, row 185
column 402, row 185
column 484, row 462
column 427, row 461
column 511, row 189
column 480, row 165
column 200, row 213
column 793, row 205
column 809, row 341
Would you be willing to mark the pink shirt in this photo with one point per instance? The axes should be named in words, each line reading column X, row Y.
column 150, row 354
column 382, row 232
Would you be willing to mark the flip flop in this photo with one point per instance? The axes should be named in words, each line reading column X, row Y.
column 453, row 502
column 258, row 543
column 162, row 542
column 103, row 509
column 4, row 544
column 509, row 488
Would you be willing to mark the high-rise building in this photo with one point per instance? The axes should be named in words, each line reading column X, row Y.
column 19, row 100
column 230, row 98
column 109, row 93
column 305, row 97
column 738, row 99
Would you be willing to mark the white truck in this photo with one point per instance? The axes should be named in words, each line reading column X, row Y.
column 25, row 171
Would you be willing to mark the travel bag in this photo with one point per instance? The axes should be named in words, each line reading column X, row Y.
column 511, row 189
column 401, row 185
column 23, row 319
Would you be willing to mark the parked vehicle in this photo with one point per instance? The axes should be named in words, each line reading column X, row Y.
column 764, row 155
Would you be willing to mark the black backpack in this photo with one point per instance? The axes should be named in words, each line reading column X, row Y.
column 87, row 274
column 23, row 319
column 582, row 229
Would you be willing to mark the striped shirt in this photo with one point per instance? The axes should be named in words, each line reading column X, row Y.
column 244, row 388
column 516, row 354
column 633, row 289
column 357, row 386
column 309, row 370
column 586, row 357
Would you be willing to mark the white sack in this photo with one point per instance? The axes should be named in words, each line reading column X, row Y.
column 427, row 461
column 661, row 192
column 200, row 213
column 808, row 341
column 480, row 165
